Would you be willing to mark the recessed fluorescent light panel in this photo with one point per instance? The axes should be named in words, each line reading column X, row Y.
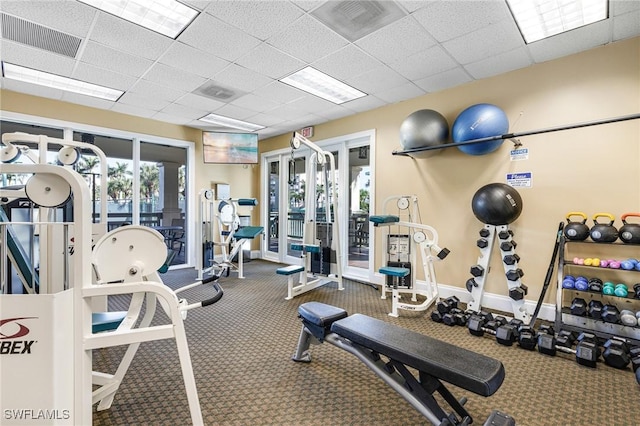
column 538, row 19
column 167, row 17
column 28, row 75
column 231, row 122
column 320, row 84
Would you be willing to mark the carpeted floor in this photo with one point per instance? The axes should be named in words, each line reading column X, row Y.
column 241, row 351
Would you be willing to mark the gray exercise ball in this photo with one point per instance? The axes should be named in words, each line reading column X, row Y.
column 424, row 128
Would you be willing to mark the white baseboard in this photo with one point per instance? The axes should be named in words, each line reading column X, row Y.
column 490, row 301
column 497, row 302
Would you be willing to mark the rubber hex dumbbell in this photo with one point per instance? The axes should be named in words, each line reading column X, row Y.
column 508, row 245
column 470, row 284
column 586, row 352
column 527, row 337
column 477, row 270
column 484, row 233
column 511, row 259
column 503, row 235
column 518, row 293
column 514, row 274
column 636, row 291
column 447, row 304
column 579, row 306
column 595, row 309
column 610, row 314
column 482, row 243
column 616, row 353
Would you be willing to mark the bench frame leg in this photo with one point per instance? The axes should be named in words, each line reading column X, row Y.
column 304, row 341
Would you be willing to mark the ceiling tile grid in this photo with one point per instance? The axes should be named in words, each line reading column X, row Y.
column 242, row 48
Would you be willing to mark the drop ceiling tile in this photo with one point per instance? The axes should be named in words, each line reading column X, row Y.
column 31, row 89
column 241, row 78
column 90, row 101
column 197, row 4
column 31, row 57
column 444, row 80
column 114, row 60
column 413, row 5
column 128, row 37
column 133, row 110
column 103, row 77
column 286, row 112
column 71, row 17
column 254, row 103
column 171, row 118
column 279, row 92
column 174, row 77
column 571, row 42
column 218, row 38
column 499, row 64
column 334, row 113
column 485, row 42
column 156, row 91
column 627, row 25
column 446, row 20
column 364, row 104
column 187, row 58
column 311, row 104
column 398, row 40
column 425, row 63
column 143, row 101
column 346, row 62
column 307, row 40
column 307, row 5
column 377, row 79
column 265, row 119
column 267, row 60
column 261, row 19
column 236, row 112
column 400, row 93
column 304, row 121
column 199, row 102
column 184, row 111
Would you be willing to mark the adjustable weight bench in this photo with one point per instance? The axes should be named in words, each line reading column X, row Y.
column 436, row 361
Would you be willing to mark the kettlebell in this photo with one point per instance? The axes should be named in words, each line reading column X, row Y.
column 629, row 232
column 603, row 232
column 577, row 231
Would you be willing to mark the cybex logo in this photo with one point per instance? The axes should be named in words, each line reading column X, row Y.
column 11, row 329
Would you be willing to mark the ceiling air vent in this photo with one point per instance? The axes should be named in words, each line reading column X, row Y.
column 32, row 34
column 218, row 92
column 356, row 19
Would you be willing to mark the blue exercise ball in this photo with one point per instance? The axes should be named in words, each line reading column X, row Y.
column 496, row 204
column 424, row 128
column 480, row 121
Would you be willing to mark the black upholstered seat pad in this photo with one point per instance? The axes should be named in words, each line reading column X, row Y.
column 458, row 366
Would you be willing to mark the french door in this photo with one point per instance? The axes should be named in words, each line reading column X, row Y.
column 285, row 186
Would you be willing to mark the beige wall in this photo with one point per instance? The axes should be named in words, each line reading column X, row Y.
column 592, row 169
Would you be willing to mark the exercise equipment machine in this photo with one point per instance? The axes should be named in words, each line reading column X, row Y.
column 320, row 248
column 403, row 237
column 38, row 258
column 55, row 333
column 372, row 341
column 497, row 205
column 221, row 238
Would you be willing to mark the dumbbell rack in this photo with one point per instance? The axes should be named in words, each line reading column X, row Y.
column 565, row 319
column 475, row 285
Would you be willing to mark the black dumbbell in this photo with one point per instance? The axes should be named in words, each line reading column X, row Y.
column 482, row 243
column 518, row 293
column 503, row 235
column 508, row 245
column 635, row 361
column 611, row 314
column 511, row 259
column 484, row 233
column 470, row 284
column 595, row 309
column 506, row 333
column 578, row 306
column 616, row 353
column 447, row 304
column 514, row 274
column 636, row 291
column 477, row 270
column 527, row 337
column 586, row 351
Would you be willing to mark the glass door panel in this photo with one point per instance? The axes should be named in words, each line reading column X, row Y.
column 296, row 180
column 273, row 233
column 359, row 198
